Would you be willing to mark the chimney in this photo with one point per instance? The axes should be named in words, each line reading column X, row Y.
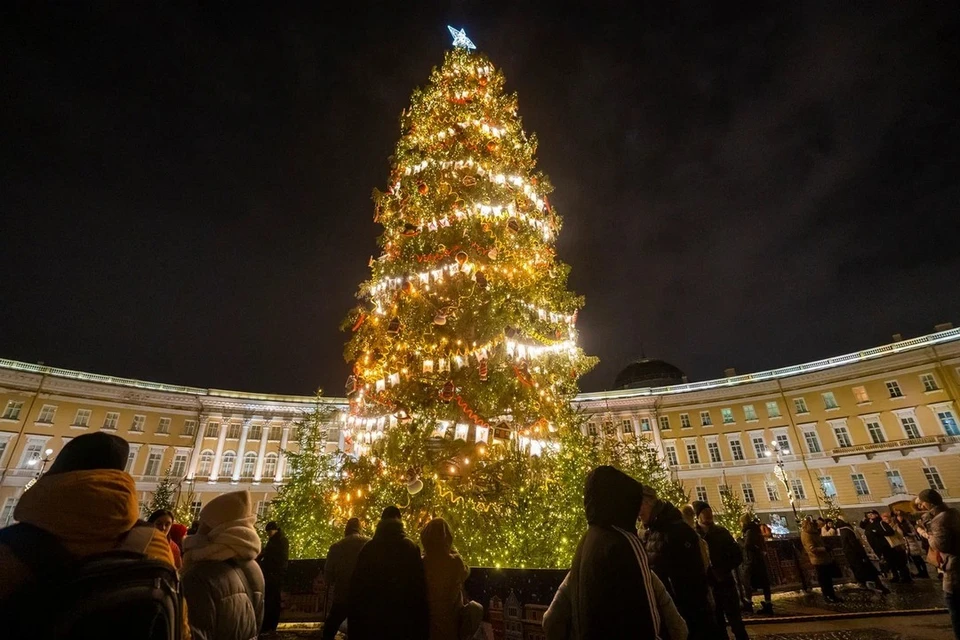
column 729, row 372
column 898, row 337
column 943, row 326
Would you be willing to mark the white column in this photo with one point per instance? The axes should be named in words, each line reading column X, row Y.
column 238, row 467
column 197, row 448
column 258, row 473
column 215, row 470
column 281, row 457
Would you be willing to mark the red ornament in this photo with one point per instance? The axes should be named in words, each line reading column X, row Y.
column 394, row 326
column 410, row 230
column 422, row 188
column 360, row 319
column 407, row 287
column 483, row 369
column 513, row 225
column 447, row 392
column 492, row 146
column 461, row 257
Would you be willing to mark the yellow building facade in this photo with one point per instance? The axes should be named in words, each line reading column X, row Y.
column 870, row 428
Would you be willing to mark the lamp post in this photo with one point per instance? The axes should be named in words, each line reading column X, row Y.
column 47, row 457
column 775, row 450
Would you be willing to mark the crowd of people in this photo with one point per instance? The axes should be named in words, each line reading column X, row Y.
column 680, row 575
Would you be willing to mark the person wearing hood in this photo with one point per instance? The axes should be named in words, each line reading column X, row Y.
column 86, row 484
column 273, row 562
column 755, row 562
column 446, row 572
column 678, row 556
column 611, row 591
column 942, row 527
column 878, row 532
column 337, row 570
column 221, row 580
column 388, row 592
column 820, row 558
column 725, row 557
column 863, row 569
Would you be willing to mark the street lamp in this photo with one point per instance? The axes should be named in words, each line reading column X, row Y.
column 781, row 473
column 43, row 461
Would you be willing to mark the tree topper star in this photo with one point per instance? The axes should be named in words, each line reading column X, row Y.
column 460, row 38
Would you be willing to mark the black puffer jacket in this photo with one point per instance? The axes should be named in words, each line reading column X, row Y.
column 725, row 553
column 673, row 548
column 877, row 532
column 755, row 556
column 610, row 580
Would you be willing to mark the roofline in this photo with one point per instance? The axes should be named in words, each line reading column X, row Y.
column 950, row 335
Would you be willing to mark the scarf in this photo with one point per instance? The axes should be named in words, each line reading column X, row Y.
column 234, row 539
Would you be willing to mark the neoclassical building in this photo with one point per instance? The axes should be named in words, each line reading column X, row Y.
column 869, row 429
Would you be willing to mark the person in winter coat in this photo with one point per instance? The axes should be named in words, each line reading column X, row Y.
column 905, row 527
column 221, row 580
column 611, row 591
column 446, row 572
column 341, row 560
column 388, row 591
column 176, row 535
column 86, row 500
column 755, row 573
column 942, row 524
column 820, row 558
column 878, row 533
column 162, row 520
column 725, row 558
column 674, row 552
column 273, row 562
column 863, row 569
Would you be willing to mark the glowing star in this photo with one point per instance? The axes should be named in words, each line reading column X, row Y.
column 460, row 38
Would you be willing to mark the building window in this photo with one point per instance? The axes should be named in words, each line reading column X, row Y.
column 897, row 487
column 233, row 431
column 876, row 432
column 828, row 487
column 227, row 462
column 860, row 395
column 47, row 414
column 664, row 422
column 672, row 459
column 131, row 458
column 813, row 442
column 31, row 453
column 705, row 419
column 910, row 428
column 829, row 400
column 111, row 421
column 933, row 478
column 800, row 405
column 684, row 421
column 713, row 450
column 195, row 507
column 179, row 466
column 736, row 449
column 263, row 509
column 205, row 465
column 626, row 427
column 759, row 447
column 645, row 424
column 189, row 427
column 894, row 388
column 692, row 454
column 929, row 382
column 592, row 430
column 249, row 464
column 275, row 433
column 12, row 412
column 163, row 426
column 949, row 423
column 153, row 463
column 6, row 514
column 749, row 413
column 796, row 485
column 3, row 448
column 773, row 409
column 212, row 430
column 726, row 415
column 748, row 497
column 843, row 437
column 783, row 442
column 138, row 422
column 860, row 484
column 82, row 418
column 702, row 493
column 270, row 465
column 773, row 493
column 255, row 432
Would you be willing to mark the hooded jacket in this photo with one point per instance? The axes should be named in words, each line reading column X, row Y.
column 445, row 572
column 812, row 542
column 388, row 593
column 944, row 536
column 275, row 557
column 755, row 556
column 610, row 587
column 856, row 555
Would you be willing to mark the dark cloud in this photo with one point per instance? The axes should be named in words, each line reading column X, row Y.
column 186, row 192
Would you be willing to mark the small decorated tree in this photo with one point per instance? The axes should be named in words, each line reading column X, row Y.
column 164, row 496
column 732, row 510
column 830, row 509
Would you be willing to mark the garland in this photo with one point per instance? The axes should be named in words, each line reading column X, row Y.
column 470, row 413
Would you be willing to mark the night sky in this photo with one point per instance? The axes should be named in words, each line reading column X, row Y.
column 185, row 192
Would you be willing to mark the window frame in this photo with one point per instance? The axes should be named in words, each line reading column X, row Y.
column 894, row 389
column 832, row 404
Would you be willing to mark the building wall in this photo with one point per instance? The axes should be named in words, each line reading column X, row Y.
column 203, row 436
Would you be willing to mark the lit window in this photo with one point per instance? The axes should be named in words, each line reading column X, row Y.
column 860, row 484
column 813, row 441
column 736, row 449
column 47, row 413
column 749, row 413
column 929, row 382
column 645, row 424
column 727, row 415
column 702, row 493
column 897, row 487
column 138, row 422
column 843, row 436
column 705, row 419
column 12, row 412
column 692, row 454
column 894, row 388
column 910, row 428
column 933, row 478
column 713, row 449
column 876, row 432
column 664, row 422
column 800, row 405
column 860, row 395
column 110, row 421
column 189, row 427
column 773, row 409
column 82, row 418
column 672, row 459
column 163, row 426
column 796, row 485
column 828, row 487
column 829, row 400
column 684, row 421
column 949, row 423
column 748, row 497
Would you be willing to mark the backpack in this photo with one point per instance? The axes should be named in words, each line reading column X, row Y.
column 117, row 594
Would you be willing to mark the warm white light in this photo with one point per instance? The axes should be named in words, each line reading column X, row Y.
column 768, row 453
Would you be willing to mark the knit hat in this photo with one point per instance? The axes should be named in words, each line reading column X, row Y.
column 699, row 506
column 930, row 497
column 353, row 526
column 177, row 533
column 272, row 526
column 92, row 451
column 225, row 508
column 391, row 513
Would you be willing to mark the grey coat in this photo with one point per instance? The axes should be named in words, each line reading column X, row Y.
column 224, row 599
column 338, row 568
column 944, row 536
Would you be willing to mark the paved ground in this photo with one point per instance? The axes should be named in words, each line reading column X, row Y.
column 918, row 627
column 921, row 594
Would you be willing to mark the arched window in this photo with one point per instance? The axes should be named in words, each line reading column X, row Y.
column 249, row 464
column 270, row 465
column 206, row 463
column 227, row 462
